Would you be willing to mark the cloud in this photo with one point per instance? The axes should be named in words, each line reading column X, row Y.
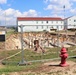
column 31, row 13
column 16, row 13
column 56, row 6
column 10, row 15
column 73, row 11
column 3, row 1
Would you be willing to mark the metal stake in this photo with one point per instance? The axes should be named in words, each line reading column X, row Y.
column 22, row 62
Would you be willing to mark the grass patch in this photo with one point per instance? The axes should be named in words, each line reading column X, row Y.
column 29, row 55
column 17, row 68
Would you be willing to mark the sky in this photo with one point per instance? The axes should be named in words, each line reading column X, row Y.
column 11, row 9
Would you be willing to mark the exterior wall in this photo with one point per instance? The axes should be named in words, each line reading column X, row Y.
column 40, row 25
column 40, row 22
column 71, row 22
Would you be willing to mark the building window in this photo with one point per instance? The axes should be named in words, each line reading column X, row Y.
column 61, row 26
column 37, row 22
column 51, row 21
column 42, row 21
column 69, row 19
column 74, row 20
column 52, row 27
column 74, row 25
column 61, row 21
column 46, row 21
column 57, row 27
column 36, row 27
column 47, row 27
column 42, row 27
column 56, row 21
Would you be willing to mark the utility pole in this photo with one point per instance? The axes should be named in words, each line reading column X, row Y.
column 75, row 37
column 58, row 36
column 65, row 26
column 64, row 17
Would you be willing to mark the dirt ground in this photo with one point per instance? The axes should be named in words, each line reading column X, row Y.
column 50, row 68
column 47, row 68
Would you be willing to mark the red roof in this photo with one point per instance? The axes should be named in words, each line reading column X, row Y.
column 38, row 18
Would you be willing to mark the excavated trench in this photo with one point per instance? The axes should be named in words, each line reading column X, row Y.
column 45, row 40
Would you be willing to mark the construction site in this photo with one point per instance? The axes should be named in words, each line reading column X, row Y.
column 39, row 48
column 46, row 39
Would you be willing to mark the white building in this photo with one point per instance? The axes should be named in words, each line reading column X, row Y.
column 40, row 23
column 70, row 22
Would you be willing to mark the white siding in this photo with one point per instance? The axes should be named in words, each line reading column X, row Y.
column 40, row 25
column 71, row 22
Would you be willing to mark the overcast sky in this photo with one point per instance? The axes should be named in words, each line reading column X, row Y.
column 11, row 9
